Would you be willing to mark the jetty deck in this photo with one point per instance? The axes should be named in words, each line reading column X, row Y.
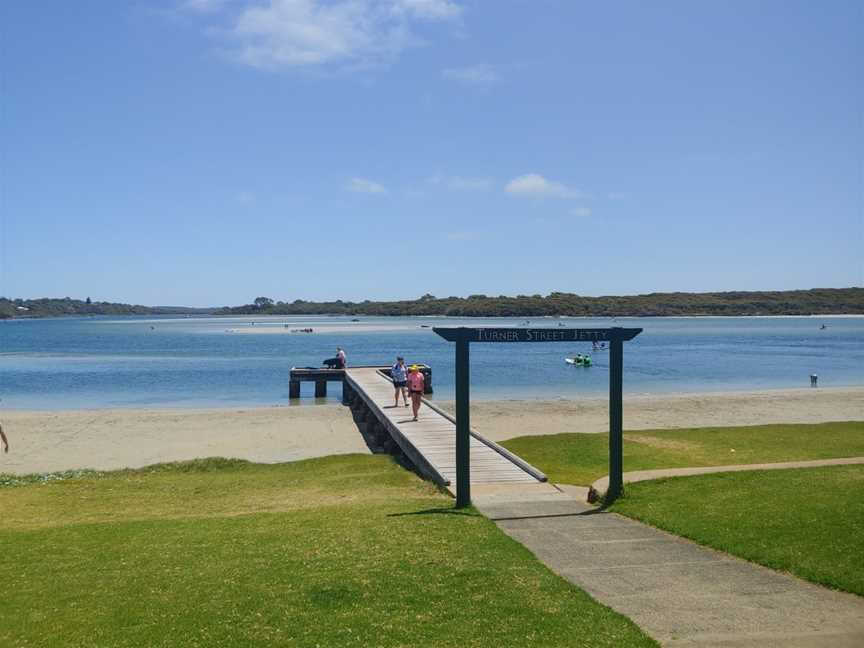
column 430, row 442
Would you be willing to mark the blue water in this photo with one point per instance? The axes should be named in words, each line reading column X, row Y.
column 193, row 362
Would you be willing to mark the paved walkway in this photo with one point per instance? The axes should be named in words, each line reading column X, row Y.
column 678, row 592
column 602, row 484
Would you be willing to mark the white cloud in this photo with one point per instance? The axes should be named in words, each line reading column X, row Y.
column 428, row 9
column 582, row 212
column 297, row 33
column 203, row 6
column 480, row 74
column 461, row 183
column 535, row 185
column 362, row 185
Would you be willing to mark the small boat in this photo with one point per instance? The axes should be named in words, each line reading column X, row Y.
column 579, row 361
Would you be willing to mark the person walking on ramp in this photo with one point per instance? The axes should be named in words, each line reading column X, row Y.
column 399, row 374
column 416, row 383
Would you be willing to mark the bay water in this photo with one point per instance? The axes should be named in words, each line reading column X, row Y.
column 103, row 362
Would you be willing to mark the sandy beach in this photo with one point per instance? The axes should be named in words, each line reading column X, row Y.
column 297, row 329
column 43, row 441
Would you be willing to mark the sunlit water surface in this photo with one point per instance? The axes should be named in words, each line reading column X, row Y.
column 203, row 362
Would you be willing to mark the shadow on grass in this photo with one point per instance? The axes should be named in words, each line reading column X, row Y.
column 439, row 511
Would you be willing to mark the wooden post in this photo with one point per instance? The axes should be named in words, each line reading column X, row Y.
column 616, row 420
column 321, row 388
column 463, row 425
column 293, row 389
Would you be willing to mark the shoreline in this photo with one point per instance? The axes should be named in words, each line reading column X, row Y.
column 105, row 439
column 309, row 401
column 170, row 317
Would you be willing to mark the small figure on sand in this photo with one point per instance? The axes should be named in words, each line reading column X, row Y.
column 399, row 374
column 416, row 384
column 813, row 380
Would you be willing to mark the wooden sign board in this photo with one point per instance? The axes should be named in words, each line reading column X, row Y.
column 536, row 334
column 463, row 336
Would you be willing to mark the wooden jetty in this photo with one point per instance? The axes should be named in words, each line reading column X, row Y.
column 321, row 377
column 310, row 374
column 430, row 442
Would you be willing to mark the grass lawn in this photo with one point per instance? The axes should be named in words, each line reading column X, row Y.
column 341, row 551
column 583, row 458
column 808, row 521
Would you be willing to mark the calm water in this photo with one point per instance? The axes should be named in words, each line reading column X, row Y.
column 137, row 362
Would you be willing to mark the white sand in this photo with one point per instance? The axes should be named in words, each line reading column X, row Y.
column 44, row 441
column 107, row 439
column 505, row 419
column 320, row 329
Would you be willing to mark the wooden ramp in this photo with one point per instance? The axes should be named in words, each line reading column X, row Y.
column 430, row 442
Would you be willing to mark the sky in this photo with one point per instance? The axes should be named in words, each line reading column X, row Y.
column 206, row 152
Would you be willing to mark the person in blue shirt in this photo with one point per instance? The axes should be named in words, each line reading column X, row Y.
column 399, row 374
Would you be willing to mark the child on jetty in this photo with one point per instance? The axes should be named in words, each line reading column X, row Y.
column 416, row 383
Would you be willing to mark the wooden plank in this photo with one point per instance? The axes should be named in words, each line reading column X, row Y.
column 430, row 442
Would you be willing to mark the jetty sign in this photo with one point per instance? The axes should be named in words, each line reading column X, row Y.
column 463, row 336
column 453, row 334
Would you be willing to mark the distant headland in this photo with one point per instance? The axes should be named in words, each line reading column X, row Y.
column 816, row 301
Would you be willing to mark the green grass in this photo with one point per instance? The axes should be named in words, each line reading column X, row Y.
column 808, row 521
column 341, row 551
column 583, row 458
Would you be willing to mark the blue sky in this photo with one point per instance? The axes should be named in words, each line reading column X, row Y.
column 205, row 152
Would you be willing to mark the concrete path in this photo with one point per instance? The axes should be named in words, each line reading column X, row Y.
column 678, row 592
column 602, row 484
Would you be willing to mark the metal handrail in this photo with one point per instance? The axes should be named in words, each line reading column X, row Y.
column 504, row 452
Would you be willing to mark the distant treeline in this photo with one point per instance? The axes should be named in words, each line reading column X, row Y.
column 49, row 307
column 818, row 301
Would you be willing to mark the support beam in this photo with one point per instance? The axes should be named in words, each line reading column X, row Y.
column 463, row 425
column 616, row 420
column 320, row 389
column 293, row 389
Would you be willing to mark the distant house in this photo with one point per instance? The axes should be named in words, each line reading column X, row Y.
column 22, row 308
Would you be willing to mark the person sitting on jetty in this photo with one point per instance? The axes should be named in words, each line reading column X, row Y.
column 338, row 362
column 399, row 374
column 416, row 385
